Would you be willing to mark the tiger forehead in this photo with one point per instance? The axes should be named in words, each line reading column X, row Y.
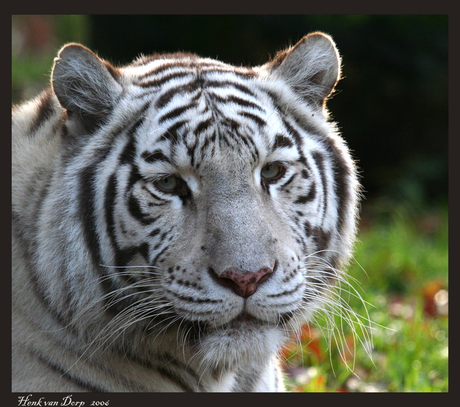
column 204, row 126
column 203, row 110
column 202, row 141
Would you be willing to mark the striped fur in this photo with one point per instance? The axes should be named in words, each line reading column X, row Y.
column 140, row 191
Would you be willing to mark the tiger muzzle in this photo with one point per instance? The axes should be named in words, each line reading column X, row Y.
column 243, row 283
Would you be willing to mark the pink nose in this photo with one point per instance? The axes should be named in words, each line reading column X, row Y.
column 244, row 284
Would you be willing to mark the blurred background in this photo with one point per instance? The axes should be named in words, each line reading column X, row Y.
column 392, row 108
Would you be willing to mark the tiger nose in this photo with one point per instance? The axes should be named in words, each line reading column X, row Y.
column 243, row 283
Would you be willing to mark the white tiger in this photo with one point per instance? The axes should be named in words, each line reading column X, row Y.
column 175, row 220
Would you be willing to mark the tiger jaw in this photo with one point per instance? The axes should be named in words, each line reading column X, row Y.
column 240, row 342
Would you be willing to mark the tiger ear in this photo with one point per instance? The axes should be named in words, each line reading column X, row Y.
column 311, row 68
column 84, row 85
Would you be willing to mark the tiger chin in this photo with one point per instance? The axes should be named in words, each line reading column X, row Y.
column 175, row 220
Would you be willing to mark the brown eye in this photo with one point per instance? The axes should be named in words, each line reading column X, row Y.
column 272, row 172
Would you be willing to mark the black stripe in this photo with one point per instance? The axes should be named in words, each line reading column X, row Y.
column 176, row 112
column 319, row 160
column 128, row 153
column 260, row 122
column 166, row 360
column 186, row 298
column 133, row 204
column 282, row 141
column 176, row 379
column 322, row 238
column 341, row 170
column 45, row 110
column 227, row 84
column 86, row 211
column 136, row 212
column 84, row 385
column 172, row 361
column 122, row 256
column 341, row 174
column 154, row 156
column 208, row 141
column 203, row 126
column 250, row 143
column 89, row 229
column 88, row 175
column 176, row 62
column 288, row 182
column 157, row 197
column 109, row 207
column 157, row 82
column 239, row 101
column 303, row 199
column 191, row 153
column 171, row 132
column 294, row 133
column 239, row 138
column 157, row 257
column 166, row 97
column 43, row 298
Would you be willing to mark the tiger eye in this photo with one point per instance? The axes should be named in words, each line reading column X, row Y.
column 272, row 172
column 168, row 184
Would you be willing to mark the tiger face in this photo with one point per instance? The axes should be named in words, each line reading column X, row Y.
column 220, row 218
column 203, row 208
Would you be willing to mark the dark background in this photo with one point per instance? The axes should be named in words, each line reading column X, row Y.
column 391, row 106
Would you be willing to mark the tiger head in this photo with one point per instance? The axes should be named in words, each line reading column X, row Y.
column 214, row 205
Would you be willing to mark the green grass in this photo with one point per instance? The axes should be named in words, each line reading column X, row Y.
column 401, row 263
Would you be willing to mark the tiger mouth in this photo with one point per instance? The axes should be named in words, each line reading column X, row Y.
column 246, row 318
column 243, row 322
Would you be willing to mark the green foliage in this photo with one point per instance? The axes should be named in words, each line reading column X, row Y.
column 401, row 262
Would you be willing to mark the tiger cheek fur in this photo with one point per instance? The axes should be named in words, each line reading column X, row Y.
column 175, row 220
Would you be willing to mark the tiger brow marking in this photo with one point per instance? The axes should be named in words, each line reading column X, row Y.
column 176, row 112
column 282, row 141
column 170, row 133
column 155, row 156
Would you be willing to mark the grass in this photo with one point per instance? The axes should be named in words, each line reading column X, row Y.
column 401, row 263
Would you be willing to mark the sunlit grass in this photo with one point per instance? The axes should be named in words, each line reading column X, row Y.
column 401, row 263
